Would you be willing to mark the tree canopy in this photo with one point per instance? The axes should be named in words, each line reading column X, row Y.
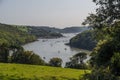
column 56, row 62
column 107, row 12
column 105, row 56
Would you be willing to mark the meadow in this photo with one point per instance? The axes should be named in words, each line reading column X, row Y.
column 37, row 72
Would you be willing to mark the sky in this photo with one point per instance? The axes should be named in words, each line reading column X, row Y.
column 54, row 13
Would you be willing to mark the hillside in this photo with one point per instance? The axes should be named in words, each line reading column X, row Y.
column 74, row 29
column 84, row 40
column 33, row 72
column 11, row 35
column 43, row 32
column 47, row 29
column 51, row 32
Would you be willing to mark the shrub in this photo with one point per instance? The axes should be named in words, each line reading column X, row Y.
column 56, row 62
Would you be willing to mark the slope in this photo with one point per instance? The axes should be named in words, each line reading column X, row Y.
column 36, row 72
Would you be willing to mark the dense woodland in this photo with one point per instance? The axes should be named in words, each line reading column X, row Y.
column 12, row 35
column 105, row 57
column 84, row 40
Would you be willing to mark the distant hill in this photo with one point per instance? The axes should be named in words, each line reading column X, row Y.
column 57, row 30
column 44, row 32
column 51, row 32
column 74, row 29
column 22, row 34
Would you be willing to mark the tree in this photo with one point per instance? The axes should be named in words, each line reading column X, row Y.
column 77, row 61
column 35, row 59
column 56, row 62
column 105, row 57
column 4, row 53
column 107, row 12
column 16, row 56
column 115, row 64
column 80, row 57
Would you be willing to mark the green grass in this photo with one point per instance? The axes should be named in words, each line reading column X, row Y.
column 33, row 72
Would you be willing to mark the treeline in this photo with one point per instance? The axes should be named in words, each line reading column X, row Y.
column 16, row 54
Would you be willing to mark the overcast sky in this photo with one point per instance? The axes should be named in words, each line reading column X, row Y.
column 54, row 13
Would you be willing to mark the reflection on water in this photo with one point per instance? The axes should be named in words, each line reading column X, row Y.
column 49, row 48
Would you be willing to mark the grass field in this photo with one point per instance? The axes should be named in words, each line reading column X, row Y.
column 33, row 72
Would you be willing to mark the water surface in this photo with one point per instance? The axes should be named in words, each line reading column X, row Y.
column 49, row 48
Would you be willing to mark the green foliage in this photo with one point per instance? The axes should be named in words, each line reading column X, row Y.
column 4, row 53
column 108, row 10
column 84, row 40
column 56, row 62
column 35, row 72
column 106, row 14
column 106, row 48
column 100, row 74
column 18, row 55
column 103, row 53
column 115, row 64
column 106, row 55
column 34, row 58
column 12, row 35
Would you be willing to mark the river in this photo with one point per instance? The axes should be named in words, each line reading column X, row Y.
column 49, row 48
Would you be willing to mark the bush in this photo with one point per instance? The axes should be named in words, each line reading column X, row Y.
column 56, row 62
column 36, row 59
